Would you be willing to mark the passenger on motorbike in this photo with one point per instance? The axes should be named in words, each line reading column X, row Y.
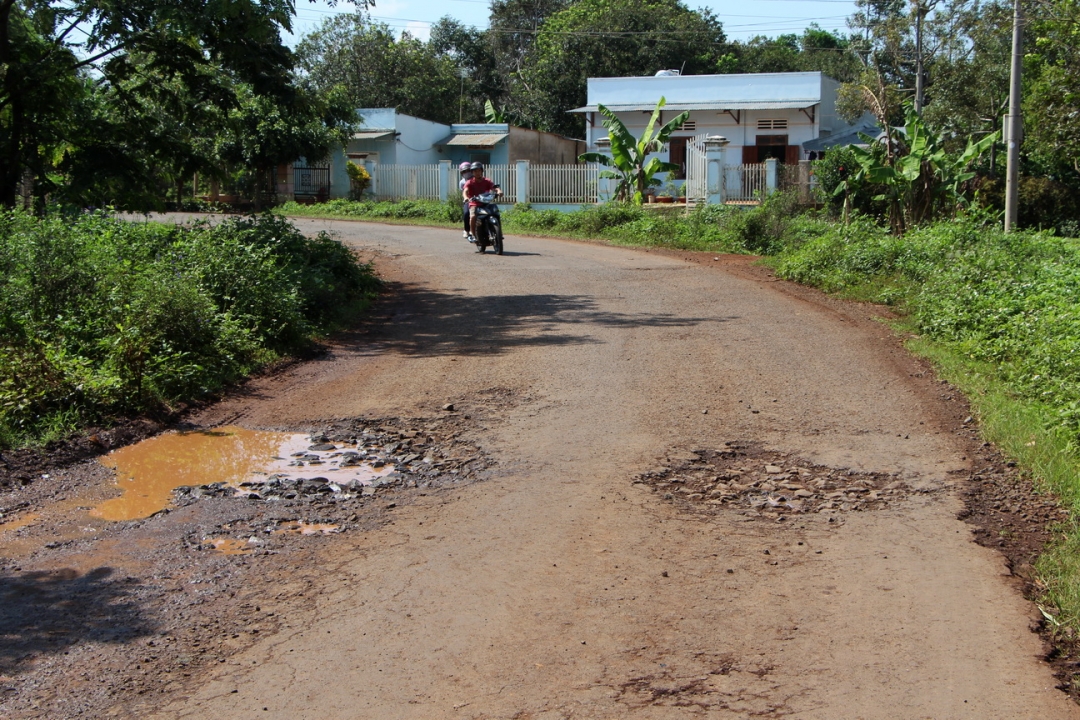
column 465, row 170
column 477, row 185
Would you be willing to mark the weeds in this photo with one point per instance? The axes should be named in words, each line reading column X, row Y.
column 101, row 318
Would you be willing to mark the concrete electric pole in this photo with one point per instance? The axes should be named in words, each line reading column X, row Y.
column 1013, row 127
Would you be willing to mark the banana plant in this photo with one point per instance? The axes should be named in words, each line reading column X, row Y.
column 922, row 181
column 629, row 158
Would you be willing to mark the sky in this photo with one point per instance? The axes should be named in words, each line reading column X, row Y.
column 742, row 20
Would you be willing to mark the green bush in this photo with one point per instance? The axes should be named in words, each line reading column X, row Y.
column 100, row 317
column 430, row 211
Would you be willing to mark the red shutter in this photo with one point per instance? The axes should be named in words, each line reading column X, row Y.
column 791, row 155
column 749, row 154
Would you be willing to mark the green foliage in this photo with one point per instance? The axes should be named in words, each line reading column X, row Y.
column 610, row 38
column 100, row 317
column 359, row 180
column 379, row 69
column 633, row 167
column 918, row 180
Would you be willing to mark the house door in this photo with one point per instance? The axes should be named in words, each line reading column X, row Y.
column 677, row 155
column 776, row 146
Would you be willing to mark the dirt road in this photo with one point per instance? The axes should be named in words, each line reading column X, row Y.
column 561, row 588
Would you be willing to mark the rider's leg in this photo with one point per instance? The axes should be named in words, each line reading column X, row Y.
column 472, row 220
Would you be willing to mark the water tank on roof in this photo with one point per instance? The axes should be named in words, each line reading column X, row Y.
column 667, row 73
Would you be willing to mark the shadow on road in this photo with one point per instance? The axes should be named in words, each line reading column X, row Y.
column 48, row 612
column 421, row 321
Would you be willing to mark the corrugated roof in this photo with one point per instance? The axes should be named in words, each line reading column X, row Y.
column 848, row 137
column 474, row 139
column 712, row 105
column 372, row 134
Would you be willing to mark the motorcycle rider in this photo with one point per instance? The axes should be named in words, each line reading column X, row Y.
column 477, row 185
column 465, row 170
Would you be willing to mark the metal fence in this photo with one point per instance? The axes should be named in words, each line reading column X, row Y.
column 744, row 183
column 569, row 184
column 311, row 182
column 413, row 182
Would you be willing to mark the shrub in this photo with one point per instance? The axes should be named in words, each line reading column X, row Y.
column 100, row 317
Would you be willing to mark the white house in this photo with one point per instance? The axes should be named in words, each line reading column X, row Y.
column 762, row 115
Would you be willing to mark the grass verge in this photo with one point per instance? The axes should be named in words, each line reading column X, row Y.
column 102, row 318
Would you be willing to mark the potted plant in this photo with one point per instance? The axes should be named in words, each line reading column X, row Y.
column 359, row 180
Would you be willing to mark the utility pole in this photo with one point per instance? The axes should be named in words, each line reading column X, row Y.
column 918, row 58
column 1012, row 126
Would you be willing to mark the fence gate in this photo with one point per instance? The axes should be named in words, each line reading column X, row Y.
column 311, row 181
column 697, row 171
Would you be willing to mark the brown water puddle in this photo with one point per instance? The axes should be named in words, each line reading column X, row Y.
column 19, row 522
column 300, row 527
column 149, row 471
column 231, row 546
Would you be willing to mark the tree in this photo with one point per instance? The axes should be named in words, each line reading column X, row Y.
column 634, row 169
column 50, row 50
column 379, row 69
column 611, row 38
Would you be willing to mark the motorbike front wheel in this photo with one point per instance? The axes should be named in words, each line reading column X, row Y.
column 498, row 237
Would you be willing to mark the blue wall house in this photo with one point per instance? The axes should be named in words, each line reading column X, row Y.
column 388, row 137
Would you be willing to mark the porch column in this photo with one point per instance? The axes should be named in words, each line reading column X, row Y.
column 372, row 168
column 444, row 180
column 770, row 176
column 523, row 181
column 714, row 169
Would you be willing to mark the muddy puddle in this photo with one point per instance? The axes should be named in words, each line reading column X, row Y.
column 148, row 472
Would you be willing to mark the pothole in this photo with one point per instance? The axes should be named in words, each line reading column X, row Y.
column 741, row 476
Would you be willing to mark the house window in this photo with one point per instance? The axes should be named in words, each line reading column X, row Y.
column 690, row 125
column 480, row 157
column 677, row 155
column 772, row 124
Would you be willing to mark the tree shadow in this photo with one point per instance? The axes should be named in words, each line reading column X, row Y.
column 47, row 612
column 425, row 322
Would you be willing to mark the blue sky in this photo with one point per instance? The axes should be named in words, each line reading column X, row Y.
column 741, row 19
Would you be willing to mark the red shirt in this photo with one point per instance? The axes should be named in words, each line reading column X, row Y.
column 477, row 186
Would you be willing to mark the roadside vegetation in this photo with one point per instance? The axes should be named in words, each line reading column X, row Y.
column 102, row 318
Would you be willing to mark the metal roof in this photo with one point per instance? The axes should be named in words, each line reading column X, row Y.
column 714, row 105
column 474, row 139
column 372, row 134
column 847, row 137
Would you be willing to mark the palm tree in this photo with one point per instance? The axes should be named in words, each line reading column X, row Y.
column 629, row 156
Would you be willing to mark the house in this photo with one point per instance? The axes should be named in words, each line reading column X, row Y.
column 388, row 137
column 762, row 115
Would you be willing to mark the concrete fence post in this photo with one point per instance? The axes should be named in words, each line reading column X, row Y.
column 523, row 181
column 444, row 180
column 804, row 181
column 714, row 169
column 771, row 178
column 372, row 168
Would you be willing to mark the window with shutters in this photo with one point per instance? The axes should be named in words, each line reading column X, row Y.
column 689, row 125
column 772, row 124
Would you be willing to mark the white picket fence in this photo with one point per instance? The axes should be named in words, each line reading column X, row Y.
column 413, row 182
column 560, row 184
column 505, row 176
column 569, row 184
column 744, row 183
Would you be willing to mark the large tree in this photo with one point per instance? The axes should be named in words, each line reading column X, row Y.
column 611, row 38
column 381, row 69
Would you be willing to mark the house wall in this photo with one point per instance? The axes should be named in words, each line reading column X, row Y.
column 413, row 144
column 542, row 147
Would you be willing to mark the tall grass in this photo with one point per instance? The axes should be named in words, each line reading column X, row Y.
column 101, row 317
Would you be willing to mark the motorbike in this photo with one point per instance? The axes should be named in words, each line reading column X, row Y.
column 488, row 224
